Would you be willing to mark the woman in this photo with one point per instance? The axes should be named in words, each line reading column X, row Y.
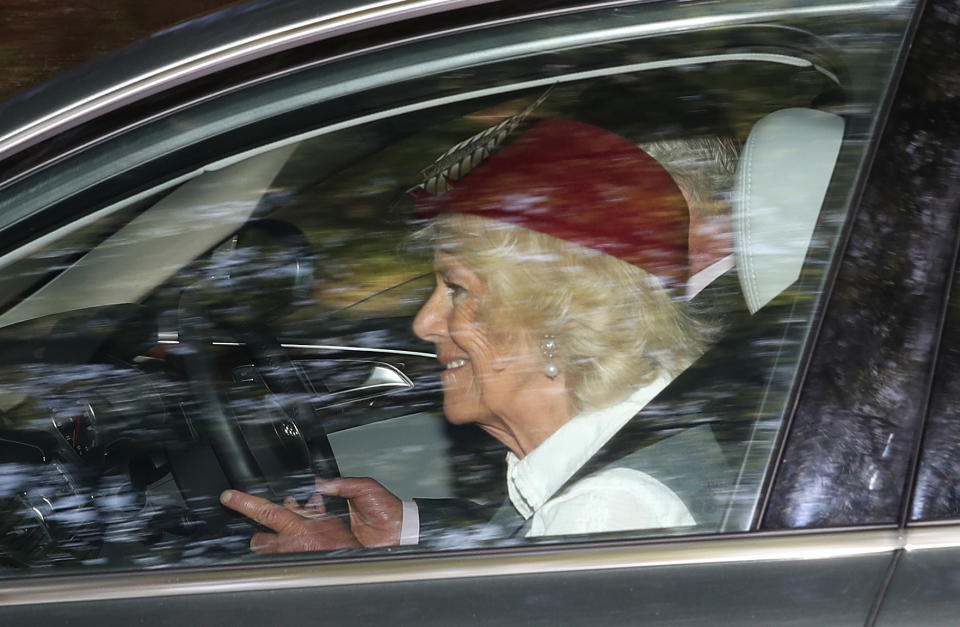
column 558, row 260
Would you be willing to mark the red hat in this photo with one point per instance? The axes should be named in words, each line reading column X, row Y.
column 582, row 184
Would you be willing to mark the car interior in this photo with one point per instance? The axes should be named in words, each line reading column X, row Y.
column 206, row 335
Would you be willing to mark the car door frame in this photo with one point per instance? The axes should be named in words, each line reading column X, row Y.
column 342, row 585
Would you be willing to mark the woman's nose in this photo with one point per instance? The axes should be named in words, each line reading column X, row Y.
column 428, row 324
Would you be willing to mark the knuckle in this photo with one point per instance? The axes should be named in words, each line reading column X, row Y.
column 365, row 484
column 267, row 514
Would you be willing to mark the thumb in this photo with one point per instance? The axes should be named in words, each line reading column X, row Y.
column 350, row 487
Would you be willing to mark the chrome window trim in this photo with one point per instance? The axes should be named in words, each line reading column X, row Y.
column 825, row 545
column 234, row 53
column 171, row 337
column 344, row 22
column 932, row 535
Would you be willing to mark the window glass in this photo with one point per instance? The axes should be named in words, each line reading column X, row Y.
column 599, row 264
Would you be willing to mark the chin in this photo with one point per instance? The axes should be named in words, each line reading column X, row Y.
column 457, row 414
column 455, row 417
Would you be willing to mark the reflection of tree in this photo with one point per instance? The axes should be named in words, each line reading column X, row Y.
column 478, row 471
column 346, row 189
column 41, row 38
column 356, row 213
column 935, row 154
column 857, row 422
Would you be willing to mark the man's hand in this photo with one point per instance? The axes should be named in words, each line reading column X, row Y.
column 376, row 515
column 296, row 528
column 375, row 518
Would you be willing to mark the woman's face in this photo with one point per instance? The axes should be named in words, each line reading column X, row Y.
column 484, row 377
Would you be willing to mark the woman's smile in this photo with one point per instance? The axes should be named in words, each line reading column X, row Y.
column 452, row 370
column 475, row 384
column 488, row 380
column 456, row 363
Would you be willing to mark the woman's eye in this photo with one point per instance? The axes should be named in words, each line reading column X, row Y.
column 454, row 289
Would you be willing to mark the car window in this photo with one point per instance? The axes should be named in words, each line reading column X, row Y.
column 247, row 319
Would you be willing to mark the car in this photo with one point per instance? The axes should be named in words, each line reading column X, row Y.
column 209, row 270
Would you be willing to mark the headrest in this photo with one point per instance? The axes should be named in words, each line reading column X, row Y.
column 782, row 178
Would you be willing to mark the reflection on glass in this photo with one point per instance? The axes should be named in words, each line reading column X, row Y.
column 553, row 335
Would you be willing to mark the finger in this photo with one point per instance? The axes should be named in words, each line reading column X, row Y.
column 261, row 510
column 349, row 487
column 263, row 543
column 307, row 511
column 343, row 488
column 316, row 504
column 368, row 499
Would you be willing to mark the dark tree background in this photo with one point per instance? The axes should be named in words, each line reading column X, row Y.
column 42, row 38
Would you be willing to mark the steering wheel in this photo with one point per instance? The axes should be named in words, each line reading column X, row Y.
column 264, row 270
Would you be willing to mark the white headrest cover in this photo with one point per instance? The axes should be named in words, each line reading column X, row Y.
column 782, row 178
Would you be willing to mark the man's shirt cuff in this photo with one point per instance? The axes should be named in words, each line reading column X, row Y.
column 410, row 525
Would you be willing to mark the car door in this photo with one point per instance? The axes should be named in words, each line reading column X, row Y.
column 114, row 243
column 922, row 584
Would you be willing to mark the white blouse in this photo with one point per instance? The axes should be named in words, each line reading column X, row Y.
column 615, row 499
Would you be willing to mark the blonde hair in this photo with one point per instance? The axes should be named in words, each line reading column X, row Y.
column 615, row 326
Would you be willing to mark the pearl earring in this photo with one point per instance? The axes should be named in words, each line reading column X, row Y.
column 548, row 346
